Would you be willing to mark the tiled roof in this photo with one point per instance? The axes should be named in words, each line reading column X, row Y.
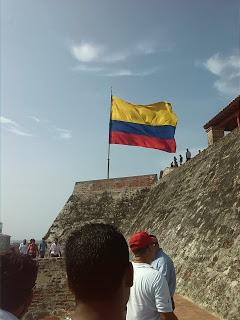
column 226, row 116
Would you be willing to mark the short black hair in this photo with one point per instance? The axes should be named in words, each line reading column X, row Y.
column 18, row 274
column 97, row 257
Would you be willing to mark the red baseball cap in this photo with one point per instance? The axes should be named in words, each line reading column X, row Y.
column 140, row 239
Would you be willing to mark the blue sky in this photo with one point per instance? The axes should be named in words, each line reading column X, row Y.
column 58, row 62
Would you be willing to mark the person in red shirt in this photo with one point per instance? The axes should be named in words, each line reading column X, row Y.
column 32, row 249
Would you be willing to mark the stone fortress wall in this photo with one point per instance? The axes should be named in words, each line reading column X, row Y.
column 113, row 201
column 115, row 184
column 195, row 213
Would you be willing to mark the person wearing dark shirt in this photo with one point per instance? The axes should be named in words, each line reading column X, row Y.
column 181, row 159
column 42, row 248
column 175, row 162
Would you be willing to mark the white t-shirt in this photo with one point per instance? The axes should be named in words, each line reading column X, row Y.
column 4, row 315
column 149, row 294
column 23, row 248
column 55, row 249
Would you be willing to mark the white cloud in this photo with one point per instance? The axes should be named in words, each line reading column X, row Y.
column 13, row 127
column 146, row 48
column 87, row 68
column 115, row 57
column 228, row 72
column 95, row 58
column 120, row 73
column 35, row 119
column 7, row 121
column 64, row 133
column 87, row 52
column 130, row 73
column 18, row 132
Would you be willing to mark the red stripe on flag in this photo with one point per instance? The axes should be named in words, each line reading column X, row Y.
column 117, row 137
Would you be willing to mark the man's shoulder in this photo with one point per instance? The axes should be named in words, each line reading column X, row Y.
column 4, row 315
column 162, row 259
column 144, row 271
column 165, row 255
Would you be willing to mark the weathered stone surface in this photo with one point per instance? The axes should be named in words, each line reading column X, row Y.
column 112, row 201
column 51, row 295
column 194, row 211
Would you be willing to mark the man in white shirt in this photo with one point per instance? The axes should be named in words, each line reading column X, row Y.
column 149, row 297
column 18, row 274
column 23, row 247
column 55, row 249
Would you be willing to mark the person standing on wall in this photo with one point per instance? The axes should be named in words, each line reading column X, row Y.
column 181, row 159
column 175, row 162
column 55, row 249
column 32, row 249
column 164, row 264
column 23, row 248
column 42, row 248
column 149, row 297
column 188, row 155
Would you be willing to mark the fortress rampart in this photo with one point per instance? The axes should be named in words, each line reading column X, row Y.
column 116, row 184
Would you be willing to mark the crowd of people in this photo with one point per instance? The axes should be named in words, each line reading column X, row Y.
column 175, row 162
column 34, row 250
column 105, row 283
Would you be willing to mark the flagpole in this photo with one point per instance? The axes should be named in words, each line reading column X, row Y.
column 109, row 133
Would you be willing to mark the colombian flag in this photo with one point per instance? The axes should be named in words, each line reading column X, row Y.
column 149, row 126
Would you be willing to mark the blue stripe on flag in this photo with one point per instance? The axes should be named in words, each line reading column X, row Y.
column 165, row 132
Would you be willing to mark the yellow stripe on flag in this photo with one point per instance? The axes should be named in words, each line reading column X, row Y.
column 156, row 114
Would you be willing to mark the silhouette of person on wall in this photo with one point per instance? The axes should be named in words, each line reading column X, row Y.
column 188, row 155
column 181, row 159
column 175, row 162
